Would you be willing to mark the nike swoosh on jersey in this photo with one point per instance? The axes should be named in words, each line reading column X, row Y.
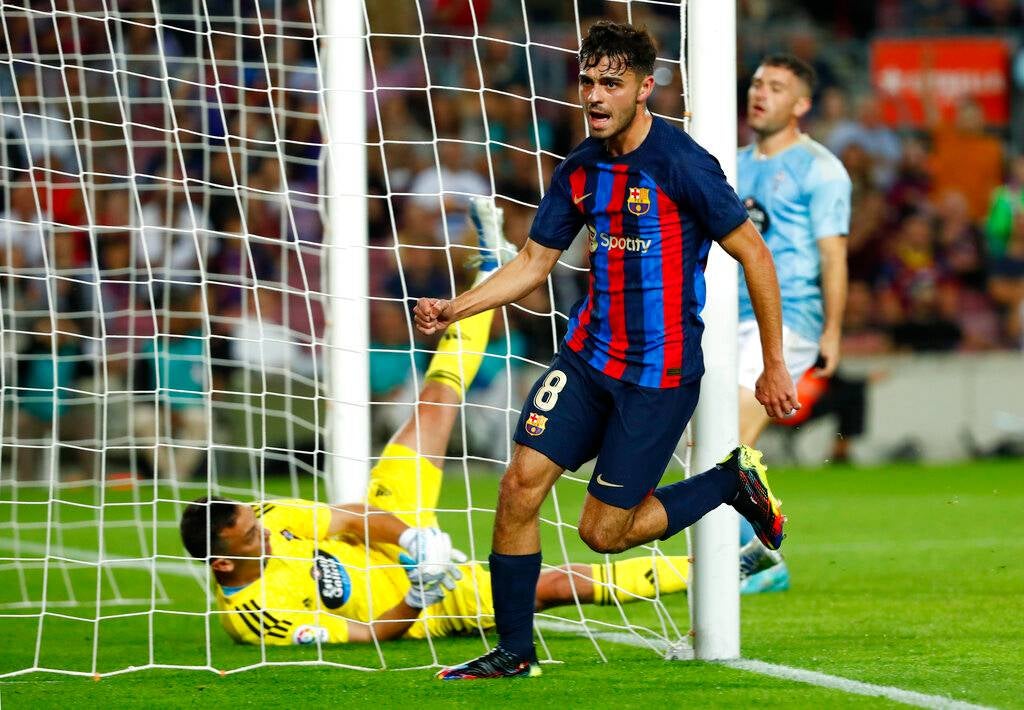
column 577, row 200
column 602, row 482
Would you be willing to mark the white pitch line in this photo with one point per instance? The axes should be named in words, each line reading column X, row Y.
column 799, row 675
column 856, row 687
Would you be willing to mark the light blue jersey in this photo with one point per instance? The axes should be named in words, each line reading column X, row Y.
column 795, row 198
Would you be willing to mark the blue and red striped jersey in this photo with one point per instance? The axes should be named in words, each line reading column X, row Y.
column 651, row 216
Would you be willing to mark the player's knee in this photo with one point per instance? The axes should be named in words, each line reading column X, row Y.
column 602, row 539
column 520, row 491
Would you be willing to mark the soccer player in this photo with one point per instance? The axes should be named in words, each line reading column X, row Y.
column 798, row 195
column 299, row 572
column 625, row 382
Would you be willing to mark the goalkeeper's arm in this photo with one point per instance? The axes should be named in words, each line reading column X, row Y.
column 369, row 525
column 277, row 627
column 429, row 555
column 390, row 625
column 395, row 621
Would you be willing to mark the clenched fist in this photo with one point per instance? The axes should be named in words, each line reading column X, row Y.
column 432, row 315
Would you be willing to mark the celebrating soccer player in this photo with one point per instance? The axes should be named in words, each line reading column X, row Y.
column 626, row 380
column 798, row 195
column 299, row 572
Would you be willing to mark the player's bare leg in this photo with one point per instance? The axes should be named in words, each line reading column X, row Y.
column 515, row 569
column 428, row 429
column 562, row 586
column 615, row 582
column 739, row 480
column 524, row 487
column 753, row 419
column 606, row 528
column 412, row 461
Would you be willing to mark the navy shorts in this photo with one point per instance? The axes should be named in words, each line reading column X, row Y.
column 574, row 413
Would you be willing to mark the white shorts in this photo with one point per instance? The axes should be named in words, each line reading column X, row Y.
column 798, row 352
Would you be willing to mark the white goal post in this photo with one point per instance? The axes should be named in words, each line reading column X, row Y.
column 714, row 586
column 348, row 327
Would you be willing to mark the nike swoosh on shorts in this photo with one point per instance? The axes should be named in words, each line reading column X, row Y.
column 602, row 482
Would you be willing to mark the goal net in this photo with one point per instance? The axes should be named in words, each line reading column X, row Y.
column 167, row 267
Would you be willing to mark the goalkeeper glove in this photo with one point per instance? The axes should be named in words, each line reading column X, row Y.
column 421, row 594
column 429, row 556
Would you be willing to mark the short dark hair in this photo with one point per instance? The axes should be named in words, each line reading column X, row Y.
column 801, row 69
column 203, row 521
column 621, row 44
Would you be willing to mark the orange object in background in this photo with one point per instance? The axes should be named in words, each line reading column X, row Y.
column 968, row 162
column 949, row 69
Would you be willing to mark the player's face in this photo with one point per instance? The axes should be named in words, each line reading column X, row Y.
column 776, row 97
column 247, row 537
column 611, row 96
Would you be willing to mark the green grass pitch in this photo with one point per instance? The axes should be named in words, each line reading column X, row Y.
column 905, row 576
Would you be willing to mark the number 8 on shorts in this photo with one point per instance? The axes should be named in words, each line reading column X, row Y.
column 547, row 396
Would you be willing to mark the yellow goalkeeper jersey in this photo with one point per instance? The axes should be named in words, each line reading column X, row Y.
column 311, row 583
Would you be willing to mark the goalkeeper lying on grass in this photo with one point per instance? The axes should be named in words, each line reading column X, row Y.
column 299, row 572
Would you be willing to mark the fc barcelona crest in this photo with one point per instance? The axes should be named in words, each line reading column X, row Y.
column 639, row 200
column 535, row 424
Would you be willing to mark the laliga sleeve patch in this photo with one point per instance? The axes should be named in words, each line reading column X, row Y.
column 306, row 635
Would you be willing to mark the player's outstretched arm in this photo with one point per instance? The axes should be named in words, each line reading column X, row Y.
column 428, row 555
column 365, row 523
column 389, row 625
column 833, row 291
column 774, row 387
column 510, row 283
column 396, row 621
column 281, row 627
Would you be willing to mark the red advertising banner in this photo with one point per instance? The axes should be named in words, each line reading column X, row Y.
column 946, row 69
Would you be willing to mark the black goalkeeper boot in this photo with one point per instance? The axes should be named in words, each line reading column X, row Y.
column 497, row 663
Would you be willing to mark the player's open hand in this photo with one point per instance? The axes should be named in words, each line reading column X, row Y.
column 421, row 594
column 429, row 556
column 776, row 392
column 432, row 315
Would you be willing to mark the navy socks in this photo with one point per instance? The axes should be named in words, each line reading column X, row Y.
column 514, row 577
column 514, row 588
column 689, row 500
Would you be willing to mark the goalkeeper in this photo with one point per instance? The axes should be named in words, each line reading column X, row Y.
column 299, row 572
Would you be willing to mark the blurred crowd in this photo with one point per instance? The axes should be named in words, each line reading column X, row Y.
column 137, row 162
column 159, row 221
column 937, row 239
column 936, row 249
